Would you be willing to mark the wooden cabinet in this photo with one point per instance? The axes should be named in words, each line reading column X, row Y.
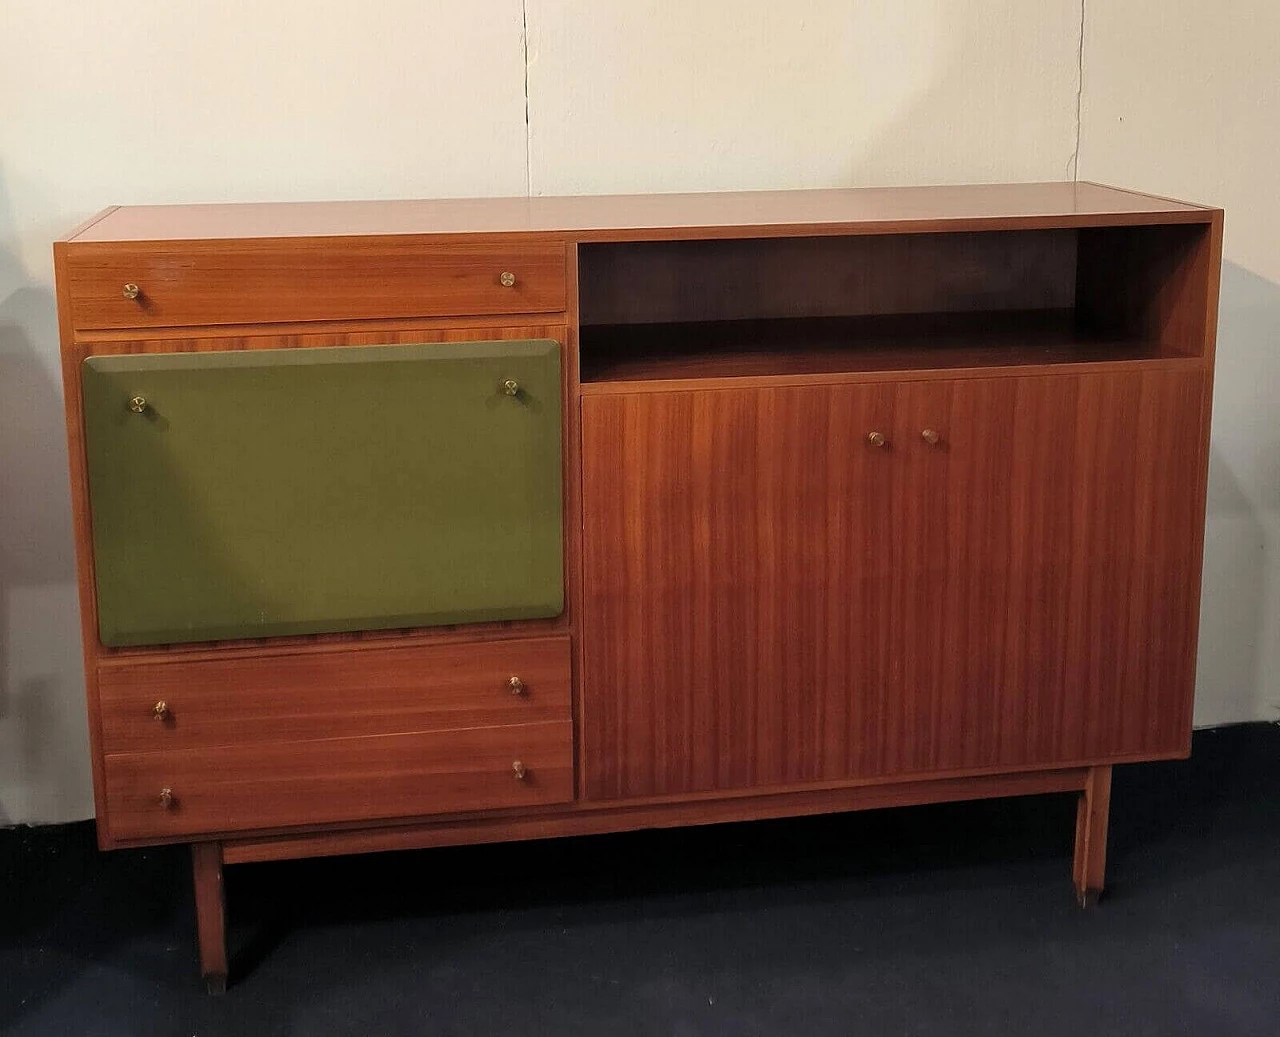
column 421, row 523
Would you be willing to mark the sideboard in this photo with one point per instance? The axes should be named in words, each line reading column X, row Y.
column 409, row 524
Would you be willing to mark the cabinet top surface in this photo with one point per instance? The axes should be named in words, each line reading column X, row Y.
column 621, row 217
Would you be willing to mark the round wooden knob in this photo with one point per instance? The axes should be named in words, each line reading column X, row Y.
column 517, row 686
column 877, row 439
column 507, row 279
column 517, row 768
column 931, row 436
column 131, row 291
column 166, row 798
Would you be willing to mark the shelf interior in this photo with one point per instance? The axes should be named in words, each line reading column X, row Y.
column 668, row 310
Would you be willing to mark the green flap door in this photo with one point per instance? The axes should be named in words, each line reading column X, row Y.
column 288, row 491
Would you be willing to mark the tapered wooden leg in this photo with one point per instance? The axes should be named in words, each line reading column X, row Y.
column 1089, row 868
column 211, row 916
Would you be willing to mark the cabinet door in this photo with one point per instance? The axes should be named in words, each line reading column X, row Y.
column 771, row 600
column 1059, row 615
column 737, row 575
column 282, row 491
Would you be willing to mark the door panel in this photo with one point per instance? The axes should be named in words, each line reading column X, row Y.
column 771, row 600
column 953, row 526
column 1061, row 625
column 735, row 571
column 262, row 492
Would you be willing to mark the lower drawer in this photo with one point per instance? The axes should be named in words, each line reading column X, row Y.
column 234, row 788
column 199, row 703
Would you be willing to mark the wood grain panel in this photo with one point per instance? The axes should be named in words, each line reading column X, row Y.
column 312, row 279
column 733, row 214
column 236, row 788
column 237, row 700
column 735, row 565
column 770, row 600
column 1051, row 587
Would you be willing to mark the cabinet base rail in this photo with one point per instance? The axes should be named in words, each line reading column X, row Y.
column 1093, row 785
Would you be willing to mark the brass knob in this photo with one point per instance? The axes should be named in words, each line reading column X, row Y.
column 877, row 439
column 517, row 768
column 166, row 798
column 138, row 404
column 511, row 387
column 507, row 278
column 160, row 711
column 516, row 685
column 131, row 291
column 931, row 436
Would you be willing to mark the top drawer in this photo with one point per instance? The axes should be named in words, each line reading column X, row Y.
column 252, row 282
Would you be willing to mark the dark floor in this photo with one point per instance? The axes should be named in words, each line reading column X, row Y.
column 946, row 920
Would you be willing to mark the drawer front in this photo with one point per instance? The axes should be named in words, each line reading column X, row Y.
column 371, row 691
column 271, row 492
column 197, row 283
column 276, row 785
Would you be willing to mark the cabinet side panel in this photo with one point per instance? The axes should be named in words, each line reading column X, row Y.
column 71, row 369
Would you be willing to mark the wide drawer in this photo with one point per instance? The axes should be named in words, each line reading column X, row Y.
column 234, row 788
column 198, row 283
column 186, row 704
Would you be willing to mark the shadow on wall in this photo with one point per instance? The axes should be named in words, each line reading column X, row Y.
column 1239, row 666
column 43, row 741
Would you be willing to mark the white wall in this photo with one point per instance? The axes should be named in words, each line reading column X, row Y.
column 1182, row 97
column 660, row 95
column 215, row 100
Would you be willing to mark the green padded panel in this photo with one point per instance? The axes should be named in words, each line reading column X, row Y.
column 290, row 491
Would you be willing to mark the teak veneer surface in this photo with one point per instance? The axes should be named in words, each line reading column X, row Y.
column 670, row 215
column 233, row 700
column 770, row 599
column 228, row 788
column 225, row 282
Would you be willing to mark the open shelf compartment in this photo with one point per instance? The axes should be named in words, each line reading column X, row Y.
column 678, row 310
